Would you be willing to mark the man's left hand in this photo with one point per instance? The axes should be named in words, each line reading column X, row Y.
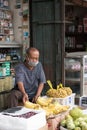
column 35, row 99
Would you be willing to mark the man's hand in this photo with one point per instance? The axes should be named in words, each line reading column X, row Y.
column 25, row 97
column 35, row 99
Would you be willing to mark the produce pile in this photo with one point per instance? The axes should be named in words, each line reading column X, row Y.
column 75, row 120
column 60, row 92
column 48, row 104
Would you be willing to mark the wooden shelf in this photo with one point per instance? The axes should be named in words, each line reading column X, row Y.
column 11, row 61
column 67, row 21
column 81, row 3
column 72, row 70
column 9, row 45
column 73, row 80
column 3, row 8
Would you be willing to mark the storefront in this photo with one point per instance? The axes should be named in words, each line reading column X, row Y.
column 58, row 28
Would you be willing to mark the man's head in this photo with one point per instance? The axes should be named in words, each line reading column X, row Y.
column 32, row 56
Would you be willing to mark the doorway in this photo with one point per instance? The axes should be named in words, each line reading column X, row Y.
column 46, row 34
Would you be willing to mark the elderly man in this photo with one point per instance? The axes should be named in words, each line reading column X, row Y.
column 29, row 79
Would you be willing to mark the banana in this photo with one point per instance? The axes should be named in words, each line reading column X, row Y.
column 44, row 101
column 31, row 105
column 41, row 102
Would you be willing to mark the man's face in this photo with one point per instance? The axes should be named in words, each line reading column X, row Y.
column 33, row 58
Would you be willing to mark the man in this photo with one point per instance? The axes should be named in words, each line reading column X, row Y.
column 29, row 79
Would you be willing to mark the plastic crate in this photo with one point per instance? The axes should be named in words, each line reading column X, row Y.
column 69, row 100
column 83, row 101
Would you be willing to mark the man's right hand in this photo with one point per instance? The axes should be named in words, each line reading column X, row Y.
column 25, row 97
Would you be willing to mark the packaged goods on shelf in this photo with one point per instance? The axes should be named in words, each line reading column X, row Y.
column 75, row 72
column 72, row 64
column 6, row 83
column 1, row 85
column 5, row 69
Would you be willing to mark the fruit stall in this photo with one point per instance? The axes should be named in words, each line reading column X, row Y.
column 54, row 111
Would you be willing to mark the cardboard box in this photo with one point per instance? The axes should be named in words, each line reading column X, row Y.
column 44, row 127
column 53, row 123
column 12, row 116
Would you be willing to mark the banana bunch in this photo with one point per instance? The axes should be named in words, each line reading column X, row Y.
column 60, row 109
column 54, row 109
column 52, row 93
column 63, row 91
column 68, row 90
column 44, row 101
column 60, row 92
column 50, row 106
column 49, row 111
column 31, row 105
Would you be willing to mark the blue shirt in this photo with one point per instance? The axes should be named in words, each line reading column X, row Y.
column 30, row 78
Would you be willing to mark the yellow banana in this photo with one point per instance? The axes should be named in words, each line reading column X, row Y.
column 31, row 105
column 41, row 101
column 44, row 101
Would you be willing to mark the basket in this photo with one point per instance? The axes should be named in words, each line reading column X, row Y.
column 83, row 101
column 69, row 100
